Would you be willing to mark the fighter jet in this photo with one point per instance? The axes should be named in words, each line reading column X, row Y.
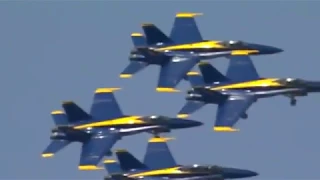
column 179, row 53
column 238, row 90
column 100, row 129
column 167, row 168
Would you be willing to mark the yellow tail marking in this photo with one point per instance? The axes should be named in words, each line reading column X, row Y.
column 225, row 129
column 109, row 161
column 147, row 24
column 160, row 139
column 89, row 168
column 57, row 112
column 113, row 122
column 182, row 115
column 106, row 90
column 188, row 14
column 125, row 75
column 47, row 155
column 121, row 150
column 136, row 34
column 193, row 73
column 167, row 90
column 243, row 52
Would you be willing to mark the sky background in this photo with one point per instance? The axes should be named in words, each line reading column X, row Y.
column 56, row 51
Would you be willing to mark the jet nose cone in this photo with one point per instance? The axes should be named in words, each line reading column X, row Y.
column 264, row 49
column 178, row 123
column 238, row 173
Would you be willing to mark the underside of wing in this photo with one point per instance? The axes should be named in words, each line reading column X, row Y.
column 95, row 149
column 241, row 68
column 230, row 111
column 174, row 71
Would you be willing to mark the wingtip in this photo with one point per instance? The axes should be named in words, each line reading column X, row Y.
column 161, row 89
column 160, row 139
column 225, row 129
column 121, row 150
column 147, row 24
column 47, row 155
column 57, row 112
column 89, row 167
column 193, row 73
column 106, row 90
column 182, row 115
column 125, row 76
column 136, row 34
column 188, row 14
column 109, row 161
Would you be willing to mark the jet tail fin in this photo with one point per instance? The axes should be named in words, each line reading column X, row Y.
column 185, row 29
column 128, row 161
column 138, row 39
column 74, row 112
column 154, row 35
column 112, row 166
column 210, row 74
column 105, row 105
column 241, row 68
column 158, row 154
column 195, row 78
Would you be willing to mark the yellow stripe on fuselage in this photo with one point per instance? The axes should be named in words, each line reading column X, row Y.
column 271, row 82
column 173, row 170
column 113, row 122
column 198, row 45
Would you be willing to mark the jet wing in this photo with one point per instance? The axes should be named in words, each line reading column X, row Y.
column 95, row 148
column 230, row 111
column 174, row 71
column 185, row 29
column 241, row 68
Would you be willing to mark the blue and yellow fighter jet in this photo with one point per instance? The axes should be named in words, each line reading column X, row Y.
column 179, row 53
column 157, row 156
column 238, row 90
column 100, row 129
column 160, row 164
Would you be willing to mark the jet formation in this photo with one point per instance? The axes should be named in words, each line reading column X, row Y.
column 177, row 55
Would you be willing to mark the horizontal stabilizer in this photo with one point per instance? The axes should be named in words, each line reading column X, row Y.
column 128, row 162
column 105, row 105
column 112, row 166
column 241, row 68
column 59, row 118
column 74, row 112
column 54, row 147
column 138, row 39
column 174, row 71
column 95, row 149
column 158, row 154
column 185, row 29
column 154, row 35
column 211, row 74
column 195, row 78
column 133, row 68
column 189, row 108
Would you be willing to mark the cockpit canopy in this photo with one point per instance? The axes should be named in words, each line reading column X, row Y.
column 156, row 118
column 195, row 168
column 233, row 44
column 291, row 81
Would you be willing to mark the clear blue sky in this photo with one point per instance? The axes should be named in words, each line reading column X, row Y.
column 55, row 51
